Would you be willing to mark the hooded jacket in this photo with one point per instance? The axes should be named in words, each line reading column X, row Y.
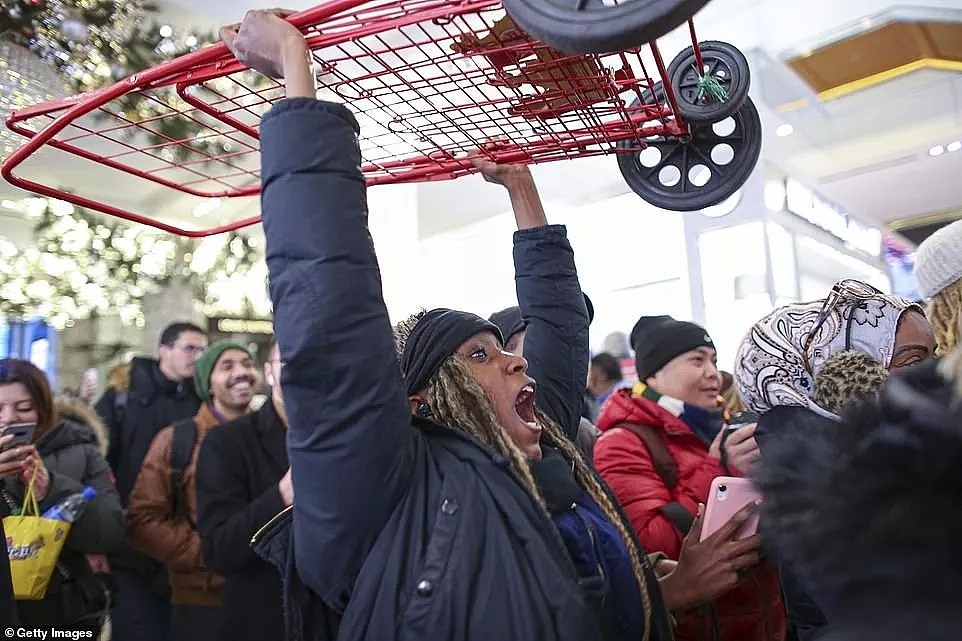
column 72, row 452
column 135, row 408
column 753, row 610
column 404, row 529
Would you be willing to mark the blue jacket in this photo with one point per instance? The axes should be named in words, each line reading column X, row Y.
column 404, row 529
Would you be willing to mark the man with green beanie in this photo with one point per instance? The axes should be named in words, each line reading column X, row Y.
column 162, row 511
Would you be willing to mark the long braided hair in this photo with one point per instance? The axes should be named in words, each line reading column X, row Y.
column 945, row 314
column 458, row 400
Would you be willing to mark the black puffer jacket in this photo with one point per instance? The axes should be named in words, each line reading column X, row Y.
column 404, row 528
column 72, row 453
column 134, row 416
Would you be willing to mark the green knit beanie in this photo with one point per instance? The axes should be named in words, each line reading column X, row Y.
column 206, row 362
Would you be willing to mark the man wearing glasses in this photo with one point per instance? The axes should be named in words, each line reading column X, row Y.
column 159, row 392
column 243, row 481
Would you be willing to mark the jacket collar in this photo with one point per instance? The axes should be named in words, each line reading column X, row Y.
column 147, row 381
column 480, row 451
column 624, row 407
column 205, row 419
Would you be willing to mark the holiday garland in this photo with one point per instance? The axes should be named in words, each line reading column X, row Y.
column 95, row 43
column 83, row 264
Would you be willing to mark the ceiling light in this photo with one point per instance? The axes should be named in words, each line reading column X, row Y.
column 784, row 130
column 166, row 31
column 954, row 146
column 937, row 150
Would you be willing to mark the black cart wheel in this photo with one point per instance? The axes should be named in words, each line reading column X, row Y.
column 698, row 171
column 716, row 91
column 599, row 26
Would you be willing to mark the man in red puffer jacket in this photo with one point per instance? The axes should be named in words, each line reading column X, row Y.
column 661, row 448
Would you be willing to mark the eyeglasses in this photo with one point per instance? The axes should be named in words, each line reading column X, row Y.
column 844, row 291
column 190, row 349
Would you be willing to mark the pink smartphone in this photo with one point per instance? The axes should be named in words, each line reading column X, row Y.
column 727, row 496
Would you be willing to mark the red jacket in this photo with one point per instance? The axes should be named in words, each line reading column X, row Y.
column 752, row 611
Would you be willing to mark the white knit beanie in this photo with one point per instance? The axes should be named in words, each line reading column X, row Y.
column 938, row 261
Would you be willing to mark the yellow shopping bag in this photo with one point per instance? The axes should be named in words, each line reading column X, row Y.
column 33, row 545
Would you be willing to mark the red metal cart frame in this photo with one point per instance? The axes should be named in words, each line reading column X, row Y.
column 429, row 80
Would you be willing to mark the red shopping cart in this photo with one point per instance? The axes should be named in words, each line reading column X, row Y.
column 429, row 81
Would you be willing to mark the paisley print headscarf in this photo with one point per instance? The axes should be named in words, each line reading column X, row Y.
column 778, row 360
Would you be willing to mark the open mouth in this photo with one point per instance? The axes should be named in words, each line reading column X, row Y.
column 524, row 405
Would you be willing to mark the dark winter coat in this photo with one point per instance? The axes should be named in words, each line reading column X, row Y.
column 866, row 510
column 151, row 403
column 134, row 417
column 240, row 465
column 406, row 529
column 805, row 617
column 71, row 452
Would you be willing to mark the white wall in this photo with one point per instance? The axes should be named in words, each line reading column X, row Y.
column 630, row 259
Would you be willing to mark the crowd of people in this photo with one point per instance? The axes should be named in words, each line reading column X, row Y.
column 464, row 478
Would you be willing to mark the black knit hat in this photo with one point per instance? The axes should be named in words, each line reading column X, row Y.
column 509, row 321
column 657, row 340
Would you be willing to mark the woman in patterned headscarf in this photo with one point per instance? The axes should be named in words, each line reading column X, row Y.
column 781, row 357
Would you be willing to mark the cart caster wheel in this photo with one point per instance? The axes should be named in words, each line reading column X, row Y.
column 726, row 69
column 699, row 171
column 599, row 27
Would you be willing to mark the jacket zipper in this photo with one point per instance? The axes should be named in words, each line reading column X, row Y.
column 594, row 544
column 274, row 520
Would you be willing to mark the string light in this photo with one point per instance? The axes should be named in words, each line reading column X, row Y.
column 84, row 265
column 50, row 46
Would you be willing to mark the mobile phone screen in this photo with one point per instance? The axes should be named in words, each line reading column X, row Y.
column 22, row 434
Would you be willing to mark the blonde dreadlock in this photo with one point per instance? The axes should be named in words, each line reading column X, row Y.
column 945, row 314
column 458, row 400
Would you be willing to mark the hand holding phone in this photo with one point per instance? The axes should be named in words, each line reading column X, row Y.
column 742, row 419
column 15, row 447
column 727, row 498
column 22, row 434
column 88, row 385
column 710, row 566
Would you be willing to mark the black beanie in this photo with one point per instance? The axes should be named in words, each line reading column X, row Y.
column 657, row 340
column 509, row 321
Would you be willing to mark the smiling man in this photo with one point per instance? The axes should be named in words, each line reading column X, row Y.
column 162, row 512
column 661, row 447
